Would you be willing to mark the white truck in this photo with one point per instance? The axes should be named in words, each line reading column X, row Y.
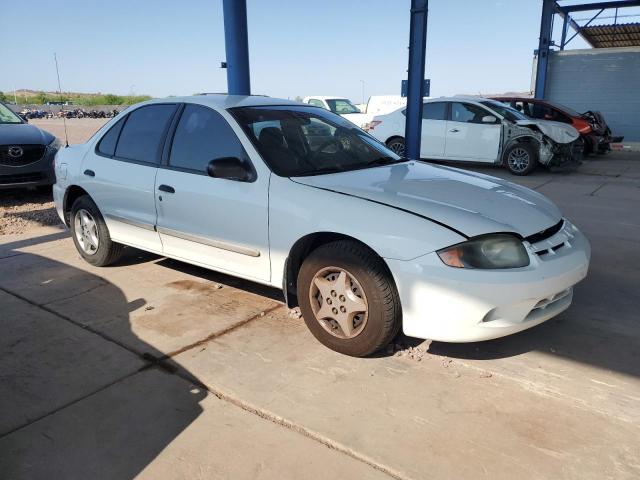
column 377, row 105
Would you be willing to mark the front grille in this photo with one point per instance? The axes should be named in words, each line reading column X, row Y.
column 544, row 234
column 22, row 178
column 30, row 154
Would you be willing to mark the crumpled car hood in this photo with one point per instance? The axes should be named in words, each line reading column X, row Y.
column 557, row 131
column 471, row 203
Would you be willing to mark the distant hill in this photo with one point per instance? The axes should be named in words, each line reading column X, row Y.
column 39, row 97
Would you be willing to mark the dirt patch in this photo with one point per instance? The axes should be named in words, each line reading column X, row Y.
column 196, row 287
column 22, row 210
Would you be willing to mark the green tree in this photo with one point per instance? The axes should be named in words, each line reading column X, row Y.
column 3, row 97
column 40, row 98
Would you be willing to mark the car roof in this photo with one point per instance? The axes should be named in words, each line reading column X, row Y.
column 226, row 101
column 327, row 97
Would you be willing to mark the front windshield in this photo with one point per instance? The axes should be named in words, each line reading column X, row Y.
column 301, row 141
column 7, row 116
column 563, row 108
column 342, row 106
column 504, row 110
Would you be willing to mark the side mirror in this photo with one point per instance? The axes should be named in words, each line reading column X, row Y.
column 231, row 168
column 489, row 119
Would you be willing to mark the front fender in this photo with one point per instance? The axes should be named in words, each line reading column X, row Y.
column 297, row 210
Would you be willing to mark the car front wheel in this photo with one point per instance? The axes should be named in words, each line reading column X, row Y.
column 91, row 235
column 521, row 158
column 348, row 298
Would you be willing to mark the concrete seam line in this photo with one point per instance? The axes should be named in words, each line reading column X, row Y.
column 77, row 400
column 222, row 332
column 73, row 322
column 14, row 255
column 101, row 284
column 311, row 434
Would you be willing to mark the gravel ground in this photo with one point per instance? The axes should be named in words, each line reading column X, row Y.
column 22, row 210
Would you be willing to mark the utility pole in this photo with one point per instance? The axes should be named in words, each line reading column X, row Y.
column 415, row 84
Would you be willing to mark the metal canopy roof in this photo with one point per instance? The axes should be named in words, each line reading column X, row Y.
column 605, row 36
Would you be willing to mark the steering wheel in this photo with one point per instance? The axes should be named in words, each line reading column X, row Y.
column 324, row 145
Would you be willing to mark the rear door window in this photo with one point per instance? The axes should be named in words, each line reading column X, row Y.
column 434, row 111
column 203, row 135
column 107, row 145
column 143, row 133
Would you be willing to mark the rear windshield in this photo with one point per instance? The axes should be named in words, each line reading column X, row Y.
column 342, row 106
column 300, row 141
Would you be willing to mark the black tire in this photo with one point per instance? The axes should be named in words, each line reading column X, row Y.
column 107, row 251
column 397, row 145
column 384, row 313
column 530, row 159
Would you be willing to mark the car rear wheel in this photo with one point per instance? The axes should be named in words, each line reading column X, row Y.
column 397, row 145
column 91, row 235
column 521, row 159
column 348, row 299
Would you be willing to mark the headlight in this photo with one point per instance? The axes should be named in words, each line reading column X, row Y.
column 491, row 251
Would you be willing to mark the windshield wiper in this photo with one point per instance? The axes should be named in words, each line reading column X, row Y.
column 383, row 161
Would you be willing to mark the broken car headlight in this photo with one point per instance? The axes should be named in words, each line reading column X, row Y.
column 488, row 252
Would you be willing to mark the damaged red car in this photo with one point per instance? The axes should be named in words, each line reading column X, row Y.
column 594, row 131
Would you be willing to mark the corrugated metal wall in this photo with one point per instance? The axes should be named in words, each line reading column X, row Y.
column 604, row 79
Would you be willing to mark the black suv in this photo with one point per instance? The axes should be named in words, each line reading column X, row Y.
column 26, row 152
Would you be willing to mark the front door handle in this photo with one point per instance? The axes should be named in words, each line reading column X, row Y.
column 90, row 173
column 167, row 189
column 454, row 130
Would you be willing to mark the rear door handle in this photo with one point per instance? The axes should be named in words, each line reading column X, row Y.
column 167, row 189
column 90, row 173
column 454, row 130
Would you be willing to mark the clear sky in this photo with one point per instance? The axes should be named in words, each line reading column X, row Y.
column 170, row 47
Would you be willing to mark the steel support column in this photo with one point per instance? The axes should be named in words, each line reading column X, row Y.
column 546, row 24
column 236, row 47
column 417, row 50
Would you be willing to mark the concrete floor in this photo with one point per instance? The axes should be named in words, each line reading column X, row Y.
column 149, row 369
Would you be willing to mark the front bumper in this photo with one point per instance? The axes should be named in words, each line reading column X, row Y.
column 460, row 305
column 40, row 172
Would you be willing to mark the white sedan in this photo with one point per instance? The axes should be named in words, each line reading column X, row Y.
column 474, row 129
column 293, row 196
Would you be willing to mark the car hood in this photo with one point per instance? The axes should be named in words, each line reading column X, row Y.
column 23, row 134
column 471, row 203
column 557, row 131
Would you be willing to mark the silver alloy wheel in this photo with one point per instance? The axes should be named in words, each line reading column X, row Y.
column 518, row 159
column 397, row 147
column 338, row 302
column 86, row 230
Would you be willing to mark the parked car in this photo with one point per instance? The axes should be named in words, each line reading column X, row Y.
column 341, row 106
column 594, row 131
column 376, row 105
column 26, row 152
column 364, row 241
column 472, row 129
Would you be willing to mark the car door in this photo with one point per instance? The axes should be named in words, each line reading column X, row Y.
column 434, row 128
column 468, row 136
column 120, row 174
column 214, row 222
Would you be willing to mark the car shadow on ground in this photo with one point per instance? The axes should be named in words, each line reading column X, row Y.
column 75, row 403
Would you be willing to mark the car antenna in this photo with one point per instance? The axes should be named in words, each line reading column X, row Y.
column 64, row 117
